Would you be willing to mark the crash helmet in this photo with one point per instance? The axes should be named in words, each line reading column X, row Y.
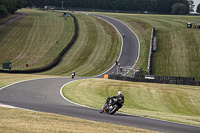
column 119, row 93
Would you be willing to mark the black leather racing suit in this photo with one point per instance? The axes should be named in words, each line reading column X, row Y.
column 120, row 99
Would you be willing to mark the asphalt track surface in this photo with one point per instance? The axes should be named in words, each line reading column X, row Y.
column 130, row 45
column 44, row 95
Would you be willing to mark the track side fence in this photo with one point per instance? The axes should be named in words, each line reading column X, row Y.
column 157, row 79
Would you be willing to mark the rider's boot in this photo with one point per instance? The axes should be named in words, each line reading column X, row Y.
column 101, row 110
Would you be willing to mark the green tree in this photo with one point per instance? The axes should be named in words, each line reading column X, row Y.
column 179, row 9
column 20, row 4
column 163, row 6
column 160, row 6
column 3, row 11
column 10, row 6
column 198, row 8
column 190, row 5
column 153, row 5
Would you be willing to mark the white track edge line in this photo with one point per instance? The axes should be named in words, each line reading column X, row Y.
column 68, row 99
column 122, row 42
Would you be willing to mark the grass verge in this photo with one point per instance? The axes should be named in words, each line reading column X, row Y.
column 168, row 102
column 18, row 120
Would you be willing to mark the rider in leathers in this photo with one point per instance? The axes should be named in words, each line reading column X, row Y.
column 119, row 97
column 73, row 74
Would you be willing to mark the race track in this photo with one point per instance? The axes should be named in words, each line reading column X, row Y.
column 130, row 44
column 44, row 95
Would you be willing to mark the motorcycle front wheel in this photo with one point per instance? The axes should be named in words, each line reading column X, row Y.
column 114, row 109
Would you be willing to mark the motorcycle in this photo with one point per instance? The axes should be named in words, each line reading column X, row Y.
column 72, row 76
column 123, row 35
column 113, row 105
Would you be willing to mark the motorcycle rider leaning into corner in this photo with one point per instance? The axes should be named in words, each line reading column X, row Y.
column 118, row 96
column 73, row 74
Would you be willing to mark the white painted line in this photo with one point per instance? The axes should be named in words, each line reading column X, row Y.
column 121, row 46
column 27, row 80
column 6, row 106
column 136, row 37
column 68, row 99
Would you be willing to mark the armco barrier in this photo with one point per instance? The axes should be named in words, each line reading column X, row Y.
column 158, row 79
column 55, row 61
column 150, row 59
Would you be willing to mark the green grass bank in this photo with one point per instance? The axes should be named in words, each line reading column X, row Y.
column 97, row 48
column 177, row 56
column 32, row 39
column 177, row 53
column 177, row 46
column 175, row 103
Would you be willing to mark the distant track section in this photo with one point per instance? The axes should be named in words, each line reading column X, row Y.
column 130, row 45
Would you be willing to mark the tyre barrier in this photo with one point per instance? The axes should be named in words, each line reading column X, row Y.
column 53, row 63
column 158, row 79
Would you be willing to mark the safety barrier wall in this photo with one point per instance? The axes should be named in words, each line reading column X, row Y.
column 150, row 60
column 55, row 61
column 158, row 79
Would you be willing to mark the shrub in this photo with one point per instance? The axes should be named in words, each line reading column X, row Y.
column 3, row 11
column 179, row 9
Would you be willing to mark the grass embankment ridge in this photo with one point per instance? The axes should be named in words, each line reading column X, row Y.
column 175, row 103
column 95, row 51
column 29, row 40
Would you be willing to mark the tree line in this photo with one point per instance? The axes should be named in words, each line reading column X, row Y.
column 10, row 6
column 159, row 6
column 198, row 8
